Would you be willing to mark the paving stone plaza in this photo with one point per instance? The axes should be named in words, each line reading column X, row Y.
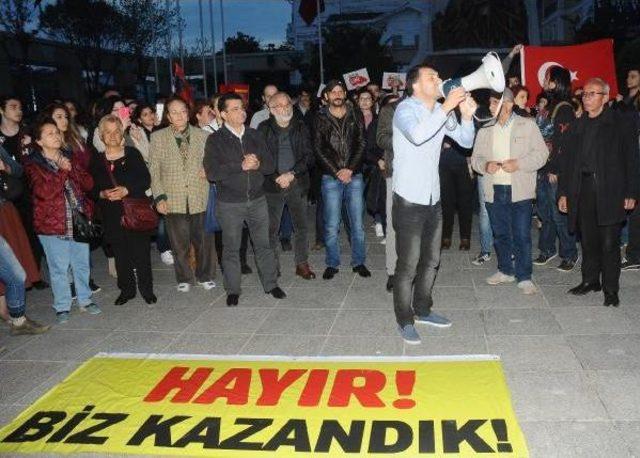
column 572, row 365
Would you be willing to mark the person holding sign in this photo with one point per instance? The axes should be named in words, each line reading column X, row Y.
column 420, row 124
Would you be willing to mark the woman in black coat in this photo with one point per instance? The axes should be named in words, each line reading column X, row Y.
column 132, row 179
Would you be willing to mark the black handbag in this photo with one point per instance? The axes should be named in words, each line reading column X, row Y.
column 84, row 230
column 10, row 187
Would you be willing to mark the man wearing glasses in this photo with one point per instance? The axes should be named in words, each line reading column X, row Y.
column 598, row 185
column 289, row 143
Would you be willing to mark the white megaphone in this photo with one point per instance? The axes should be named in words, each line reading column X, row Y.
column 488, row 76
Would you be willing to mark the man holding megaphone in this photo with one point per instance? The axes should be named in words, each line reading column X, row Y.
column 420, row 124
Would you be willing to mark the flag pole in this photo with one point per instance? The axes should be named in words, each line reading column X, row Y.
column 213, row 48
column 224, row 46
column 204, row 63
column 319, row 20
column 167, row 2
column 180, row 34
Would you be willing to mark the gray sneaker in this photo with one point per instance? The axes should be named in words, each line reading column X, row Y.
column 29, row 327
column 434, row 319
column 409, row 334
column 91, row 309
column 62, row 317
column 481, row 259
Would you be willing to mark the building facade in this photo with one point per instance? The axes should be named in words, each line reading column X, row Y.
column 560, row 18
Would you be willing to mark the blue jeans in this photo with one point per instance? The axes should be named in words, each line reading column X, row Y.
column 286, row 224
column 334, row 192
column 62, row 254
column 486, row 235
column 13, row 276
column 511, row 223
column 553, row 222
column 162, row 236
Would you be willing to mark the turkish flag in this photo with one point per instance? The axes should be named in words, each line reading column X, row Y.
column 589, row 60
column 309, row 10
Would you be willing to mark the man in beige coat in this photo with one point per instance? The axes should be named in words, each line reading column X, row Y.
column 508, row 154
column 180, row 190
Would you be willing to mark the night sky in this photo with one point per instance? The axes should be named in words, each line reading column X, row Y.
column 264, row 19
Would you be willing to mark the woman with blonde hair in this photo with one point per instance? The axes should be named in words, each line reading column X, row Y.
column 118, row 173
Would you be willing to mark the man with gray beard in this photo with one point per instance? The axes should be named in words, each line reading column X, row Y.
column 289, row 143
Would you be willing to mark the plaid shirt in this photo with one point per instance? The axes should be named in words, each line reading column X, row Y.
column 175, row 178
column 70, row 202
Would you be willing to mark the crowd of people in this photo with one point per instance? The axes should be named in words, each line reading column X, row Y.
column 204, row 183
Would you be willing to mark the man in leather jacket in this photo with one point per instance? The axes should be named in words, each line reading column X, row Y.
column 339, row 146
column 289, row 143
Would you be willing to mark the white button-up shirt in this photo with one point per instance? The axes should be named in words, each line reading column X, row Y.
column 417, row 139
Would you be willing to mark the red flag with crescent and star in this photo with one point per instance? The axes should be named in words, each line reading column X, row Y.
column 584, row 61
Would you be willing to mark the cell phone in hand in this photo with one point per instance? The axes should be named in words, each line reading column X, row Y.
column 124, row 113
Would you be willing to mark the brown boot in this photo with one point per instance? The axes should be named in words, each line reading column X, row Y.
column 465, row 245
column 446, row 244
column 303, row 270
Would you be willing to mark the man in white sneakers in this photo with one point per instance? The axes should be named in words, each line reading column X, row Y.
column 508, row 155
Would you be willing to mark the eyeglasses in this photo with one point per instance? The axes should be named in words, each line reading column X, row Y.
column 281, row 106
column 588, row 95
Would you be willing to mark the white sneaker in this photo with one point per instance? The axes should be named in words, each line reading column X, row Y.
column 184, row 287
column 378, row 229
column 167, row 257
column 207, row 285
column 383, row 241
column 527, row 287
column 499, row 278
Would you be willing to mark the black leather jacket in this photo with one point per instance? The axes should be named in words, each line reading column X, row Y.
column 301, row 145
column 339, row 143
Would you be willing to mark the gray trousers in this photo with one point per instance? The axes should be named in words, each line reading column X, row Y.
column 232, row 217
column 185, row 230
column 419, row 229
column 391, row 257
column 295, row 197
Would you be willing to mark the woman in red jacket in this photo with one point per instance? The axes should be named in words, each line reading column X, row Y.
column 59, row 184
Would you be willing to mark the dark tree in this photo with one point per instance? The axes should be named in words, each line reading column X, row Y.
column 347, row 48
column 93, row 27
column 16, row 18
column 480, row 23
column 145, row 24
column 242, row 44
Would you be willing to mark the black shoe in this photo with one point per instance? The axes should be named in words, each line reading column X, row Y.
column 286, row 245
column 611, row 299
column 123, row 299
column 630, row 265
column 39, row 285
column 245, row 269
column 329, row 273
column 543, row 259
column 362, row 270
column 152, row 299
column 277, row 293
column 390, row 283
column 232, row 300
column 94, row 288
column 584, row 288
column 566, row 265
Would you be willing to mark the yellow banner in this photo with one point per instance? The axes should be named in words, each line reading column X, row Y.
column 274, row 407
